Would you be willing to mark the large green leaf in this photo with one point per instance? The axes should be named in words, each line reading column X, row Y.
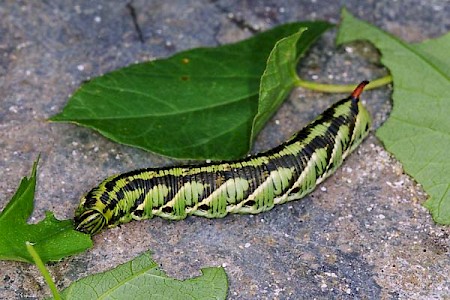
column 418, row 130
column 199, row 103
column 51, row 238
column 141, row 279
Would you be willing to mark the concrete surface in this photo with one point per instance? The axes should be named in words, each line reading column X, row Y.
column 363, row 234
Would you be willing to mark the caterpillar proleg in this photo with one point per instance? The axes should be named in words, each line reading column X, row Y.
column 249, row 185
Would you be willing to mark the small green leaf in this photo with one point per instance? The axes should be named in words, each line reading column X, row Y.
column 418, row 130
column 197, row 104
column 51, row 238
column 278, row 78
column 141, row 279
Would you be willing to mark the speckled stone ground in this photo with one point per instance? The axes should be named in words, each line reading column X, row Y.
column 361, row 234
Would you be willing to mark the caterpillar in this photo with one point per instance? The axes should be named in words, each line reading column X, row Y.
column 248, row 186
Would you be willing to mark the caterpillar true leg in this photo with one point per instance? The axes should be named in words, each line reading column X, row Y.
column 249, row 185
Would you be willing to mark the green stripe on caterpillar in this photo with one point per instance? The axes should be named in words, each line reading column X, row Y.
column 250, row 185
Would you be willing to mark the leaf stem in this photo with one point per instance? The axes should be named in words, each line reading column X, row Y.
column 43, row 270
column 340, row 88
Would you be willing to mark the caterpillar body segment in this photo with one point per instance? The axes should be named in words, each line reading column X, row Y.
column 250, row 185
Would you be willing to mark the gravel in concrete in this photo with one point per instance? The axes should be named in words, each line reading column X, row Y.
column 363, row 234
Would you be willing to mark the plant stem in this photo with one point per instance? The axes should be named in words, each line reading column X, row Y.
column 344, row 88
column 43, row 270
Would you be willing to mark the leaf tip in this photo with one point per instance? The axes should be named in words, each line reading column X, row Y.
column 344, row 11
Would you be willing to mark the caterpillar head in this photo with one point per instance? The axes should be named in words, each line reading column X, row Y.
column 89, row 221
column 89, row 218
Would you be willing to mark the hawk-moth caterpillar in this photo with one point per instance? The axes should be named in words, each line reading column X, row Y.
column 249, row 185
